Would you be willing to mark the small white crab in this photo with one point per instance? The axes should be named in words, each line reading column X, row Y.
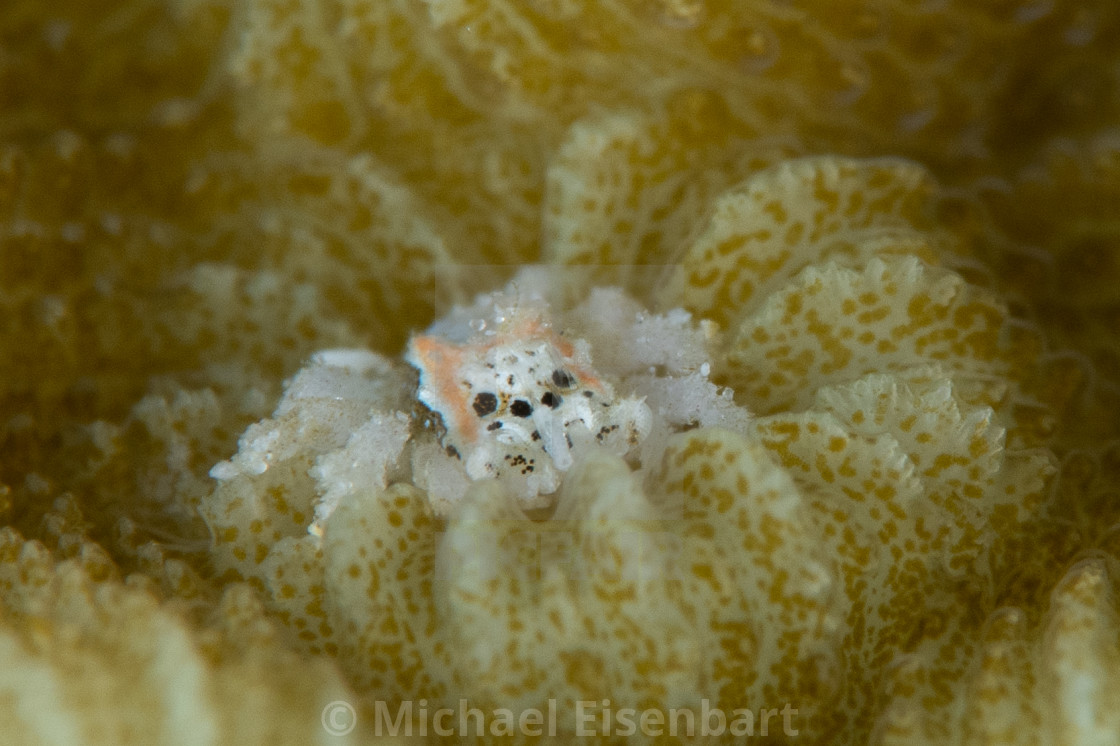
column 515, row 390
column 517, row 397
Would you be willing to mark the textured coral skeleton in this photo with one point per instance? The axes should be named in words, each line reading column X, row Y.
column 845, row 271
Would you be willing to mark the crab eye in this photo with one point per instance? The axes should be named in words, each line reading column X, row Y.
column 485, row 403
column 521, row 408
column 563, row 379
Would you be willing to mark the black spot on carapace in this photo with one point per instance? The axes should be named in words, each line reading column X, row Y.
column 563, row 379
column 452, row 451
column 536, row 435
column 496, row 425
column 550, row 399
column 521, row 408
column 588, row 394
column 485, row 403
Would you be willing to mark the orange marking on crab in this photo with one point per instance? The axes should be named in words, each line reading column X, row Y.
column 586, row 377
column 442, row 362
column 563, row 346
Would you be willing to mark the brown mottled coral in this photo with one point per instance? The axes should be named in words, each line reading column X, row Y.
column 899, row 217
column 792, row 562
column 1021, row 680
column 91, row 659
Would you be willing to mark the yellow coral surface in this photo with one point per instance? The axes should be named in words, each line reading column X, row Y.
column 894, row 225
